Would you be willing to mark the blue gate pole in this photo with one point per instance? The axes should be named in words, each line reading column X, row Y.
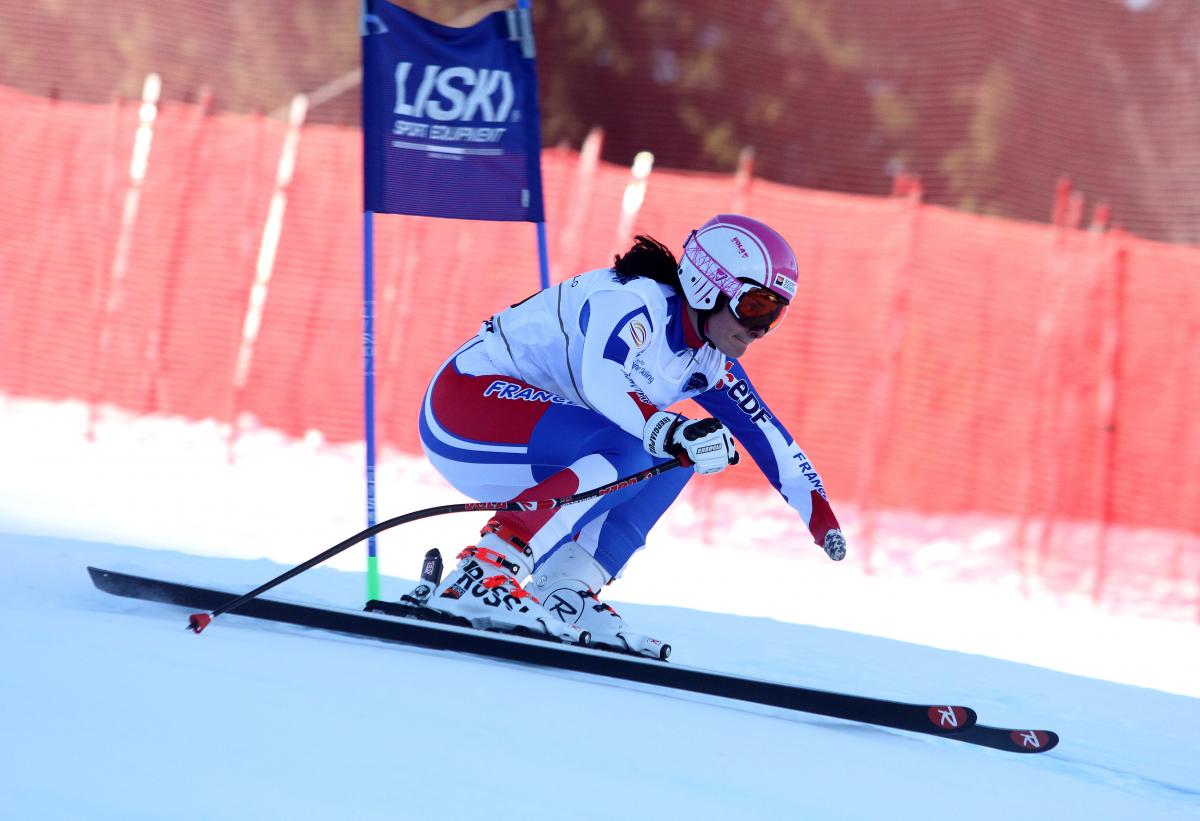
column 543, row 250
column 369, row 392
column 543, row 256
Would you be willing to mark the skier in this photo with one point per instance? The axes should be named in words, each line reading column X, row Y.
column 568, row 389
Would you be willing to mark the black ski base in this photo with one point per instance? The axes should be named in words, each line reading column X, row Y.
column 949, row 721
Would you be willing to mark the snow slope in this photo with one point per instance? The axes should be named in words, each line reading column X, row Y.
column 112, row 710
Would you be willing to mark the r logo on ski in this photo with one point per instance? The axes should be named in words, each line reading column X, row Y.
column 947, row 717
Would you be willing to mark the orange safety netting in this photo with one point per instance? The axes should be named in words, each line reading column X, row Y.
column 934, row 361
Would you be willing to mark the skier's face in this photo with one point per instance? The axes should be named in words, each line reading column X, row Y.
column 729, row 336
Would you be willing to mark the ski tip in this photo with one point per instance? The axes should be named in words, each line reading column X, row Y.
column 1033, row 741
column 198, row 621
column 951, row 718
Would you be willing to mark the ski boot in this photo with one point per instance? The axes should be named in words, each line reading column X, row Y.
column 483, row 591
column 567, row 584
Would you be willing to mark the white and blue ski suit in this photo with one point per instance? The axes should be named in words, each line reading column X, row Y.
column 552, row 395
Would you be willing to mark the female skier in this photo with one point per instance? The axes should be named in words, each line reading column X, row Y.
column 568, row 391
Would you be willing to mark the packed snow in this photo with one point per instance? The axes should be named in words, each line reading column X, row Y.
column 110, row 709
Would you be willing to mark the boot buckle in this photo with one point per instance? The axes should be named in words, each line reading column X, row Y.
column 494, row 557
column 517, row 592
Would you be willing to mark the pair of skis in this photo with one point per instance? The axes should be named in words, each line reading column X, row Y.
column 953, row 722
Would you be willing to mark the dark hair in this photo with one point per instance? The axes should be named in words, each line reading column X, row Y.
column 648, row 258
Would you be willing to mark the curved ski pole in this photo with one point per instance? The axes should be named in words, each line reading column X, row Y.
column 198, row 621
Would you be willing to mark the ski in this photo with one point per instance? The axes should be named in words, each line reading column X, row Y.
column 999, row 738
column 1012, row 741
column 948, row 721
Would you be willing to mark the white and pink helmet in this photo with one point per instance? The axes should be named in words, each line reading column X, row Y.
column 736, row 256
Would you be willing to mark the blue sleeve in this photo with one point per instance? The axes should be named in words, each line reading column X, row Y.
column 760, row 433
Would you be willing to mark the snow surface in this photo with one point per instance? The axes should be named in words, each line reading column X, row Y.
column 110, row 709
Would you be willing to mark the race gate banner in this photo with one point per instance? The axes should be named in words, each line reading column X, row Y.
column 450, row 117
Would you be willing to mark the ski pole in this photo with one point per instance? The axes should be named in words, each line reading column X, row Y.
column 198, row 621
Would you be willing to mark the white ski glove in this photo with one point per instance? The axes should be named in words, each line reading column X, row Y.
column 705, row 443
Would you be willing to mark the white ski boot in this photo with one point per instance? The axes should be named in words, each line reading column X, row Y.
column 567, row 584
column 484, row 589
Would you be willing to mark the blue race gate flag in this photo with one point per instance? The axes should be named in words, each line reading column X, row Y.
column 450, row 117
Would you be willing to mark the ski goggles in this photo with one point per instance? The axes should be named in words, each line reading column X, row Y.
column 758, row 308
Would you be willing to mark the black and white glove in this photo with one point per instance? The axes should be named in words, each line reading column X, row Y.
column 705, row 443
